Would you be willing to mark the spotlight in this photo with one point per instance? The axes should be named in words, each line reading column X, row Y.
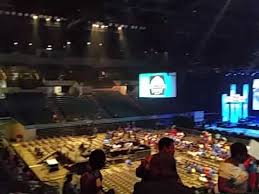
column 48, row 19
column 102, row 26
column 15, row 43
column 58, row 20
column 49, row 46
column 68, row 43
column 88, row 43
column 35, row 17
column 49, row 49
column 30, row 44
column 120, row 27
column 100, row 44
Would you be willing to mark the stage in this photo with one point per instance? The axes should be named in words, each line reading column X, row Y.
column 250, row 133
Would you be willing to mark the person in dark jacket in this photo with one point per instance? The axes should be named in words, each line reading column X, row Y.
column 159, row 174
column 161, row 164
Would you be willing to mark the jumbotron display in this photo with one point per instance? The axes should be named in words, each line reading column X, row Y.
column 256, row 94
column 157, row 85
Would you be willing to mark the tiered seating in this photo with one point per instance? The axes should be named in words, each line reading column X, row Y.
column 157, row 106
column 117, row 105
column 68, row 145
column 3, row 108
column 76, row 108
column 29, row 108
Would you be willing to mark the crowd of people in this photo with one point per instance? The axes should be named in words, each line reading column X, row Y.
column 158, row 173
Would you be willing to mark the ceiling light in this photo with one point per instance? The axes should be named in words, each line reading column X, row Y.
column 88, row 43
column 100, row 44
column 20, row 14
column 30, row 44
column 49, row 46
column 15, row 43
column 48, row 19
column 58, row 20
column 13, row 13
column 49, row 49
column 120, row 27
column 102, row 26
column 35, row 17
column 68, row 43
column 95, row 25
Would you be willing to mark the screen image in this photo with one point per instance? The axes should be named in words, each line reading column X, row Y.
column 256, row 94
column 157, row 85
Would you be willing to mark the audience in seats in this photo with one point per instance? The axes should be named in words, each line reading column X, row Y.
column 158, row 172
column 233, row 177
column 91, row 180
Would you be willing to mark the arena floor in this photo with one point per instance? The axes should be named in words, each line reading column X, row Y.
column 120, row 177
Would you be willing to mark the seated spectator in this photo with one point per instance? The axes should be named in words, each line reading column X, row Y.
column 91, row 180
column 68, row 187
column 233, row 177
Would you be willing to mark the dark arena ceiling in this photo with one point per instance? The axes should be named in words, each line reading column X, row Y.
column 222, row 33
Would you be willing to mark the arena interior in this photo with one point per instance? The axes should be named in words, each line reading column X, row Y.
column 76, row 76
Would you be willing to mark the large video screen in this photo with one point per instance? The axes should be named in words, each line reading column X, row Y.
column 157, row 85
column 256, row 94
